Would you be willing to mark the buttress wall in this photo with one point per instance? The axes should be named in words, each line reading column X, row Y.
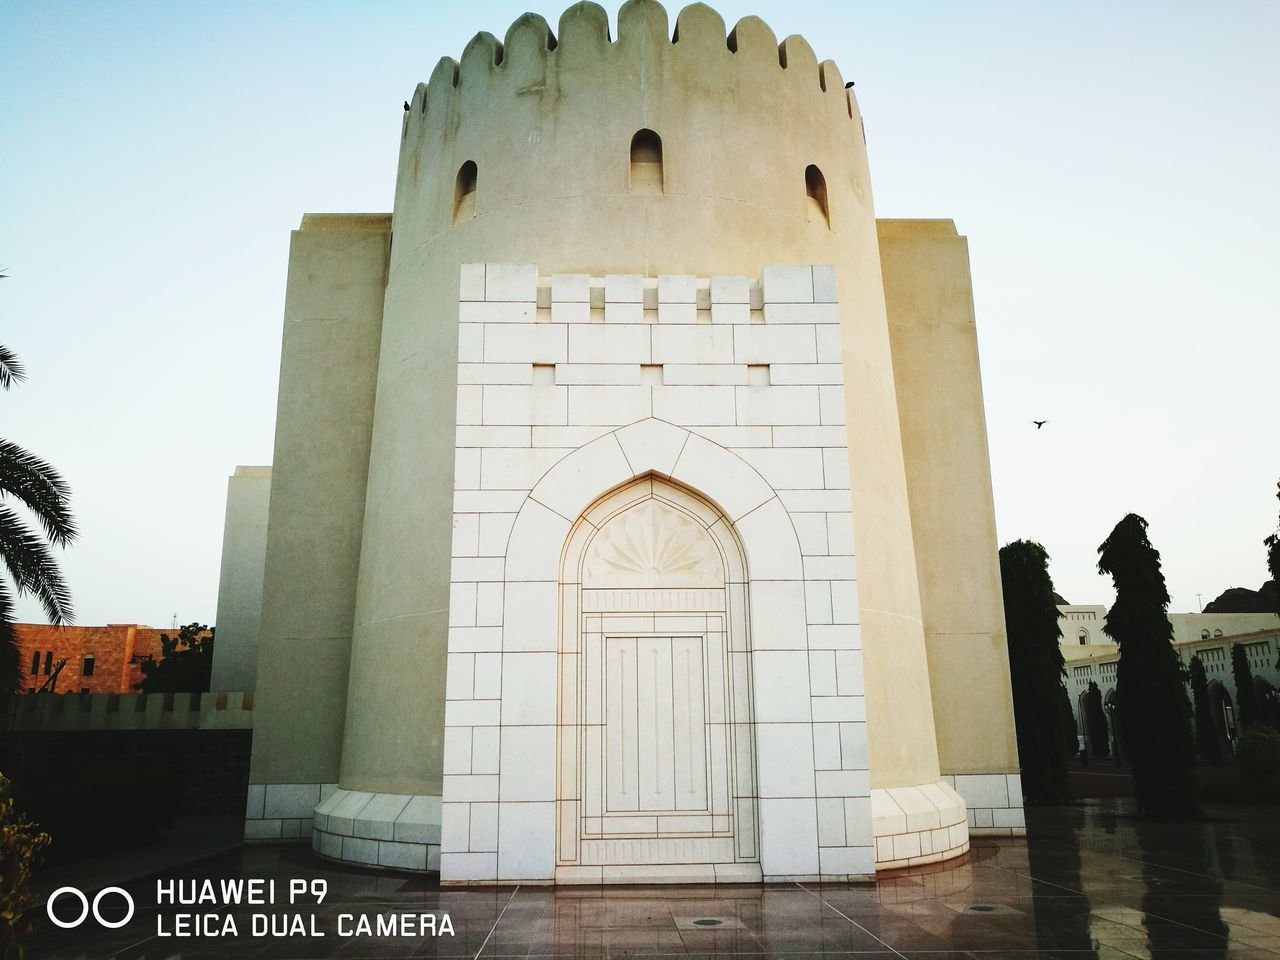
column 324, row 419
column 929, row 293
column 548, row 122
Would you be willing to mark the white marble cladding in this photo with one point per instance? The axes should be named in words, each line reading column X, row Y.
column 276, row 812
column 391, row 830
column 918, row 824
column 994, row 801
column 730, row 389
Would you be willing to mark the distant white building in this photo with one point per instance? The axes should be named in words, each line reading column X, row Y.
column 1091, row 656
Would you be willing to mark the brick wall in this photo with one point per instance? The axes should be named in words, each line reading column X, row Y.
column 118, row 651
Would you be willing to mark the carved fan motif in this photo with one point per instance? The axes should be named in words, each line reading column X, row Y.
column 652, row 545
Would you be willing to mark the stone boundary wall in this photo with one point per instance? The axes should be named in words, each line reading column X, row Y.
column 133, row 711
column 99, row 783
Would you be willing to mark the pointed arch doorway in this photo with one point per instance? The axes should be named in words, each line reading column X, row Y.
column 656, row 773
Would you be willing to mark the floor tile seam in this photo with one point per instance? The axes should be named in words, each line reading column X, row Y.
column 496, row 921
column 368, row 903
column 1104, row 902
column 687, row 953
column 111, row 953
column 841, row 913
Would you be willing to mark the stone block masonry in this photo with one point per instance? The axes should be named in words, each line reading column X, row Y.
column 652, row 504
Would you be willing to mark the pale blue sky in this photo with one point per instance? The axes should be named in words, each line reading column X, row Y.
column 1113, row 165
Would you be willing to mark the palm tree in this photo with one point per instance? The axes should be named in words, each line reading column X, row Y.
column 28, row 480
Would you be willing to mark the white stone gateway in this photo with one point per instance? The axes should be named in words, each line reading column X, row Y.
column 654, row 664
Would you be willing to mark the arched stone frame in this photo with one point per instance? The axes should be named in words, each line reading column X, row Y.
column 772, row 555
column 654, row 574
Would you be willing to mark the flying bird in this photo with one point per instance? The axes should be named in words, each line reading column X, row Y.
column 1039, row 423
column 848, row 85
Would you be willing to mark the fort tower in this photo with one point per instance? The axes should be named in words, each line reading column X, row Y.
column 630, row 516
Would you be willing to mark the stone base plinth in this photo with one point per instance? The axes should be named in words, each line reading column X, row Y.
column 994, row 801
column 914, row 825
column 392, row 830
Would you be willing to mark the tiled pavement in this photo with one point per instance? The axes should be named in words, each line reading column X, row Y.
column 1091, row 882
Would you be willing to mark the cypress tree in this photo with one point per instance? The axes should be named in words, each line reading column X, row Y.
column 1096, row 722
column 1153, row 707
column 1206, row 732
column 1246, row 695
column 1036, row 670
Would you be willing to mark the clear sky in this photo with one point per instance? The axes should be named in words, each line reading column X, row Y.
column 1113, row 165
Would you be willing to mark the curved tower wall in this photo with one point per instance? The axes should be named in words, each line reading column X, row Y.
column 548, row 122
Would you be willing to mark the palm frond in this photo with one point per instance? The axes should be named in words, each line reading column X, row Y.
column 10, row 670
column 33, row 568
column 11, row 371
column 41, row 488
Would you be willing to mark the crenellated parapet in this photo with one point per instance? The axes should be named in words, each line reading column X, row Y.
column 585, row 39
column 545, row 115
column 135, row 711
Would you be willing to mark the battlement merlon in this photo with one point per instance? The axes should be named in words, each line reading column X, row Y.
column 735, row 110
column 529, row 48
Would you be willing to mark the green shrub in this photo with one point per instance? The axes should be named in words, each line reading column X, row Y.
column 20, row 844
column 1258, row 758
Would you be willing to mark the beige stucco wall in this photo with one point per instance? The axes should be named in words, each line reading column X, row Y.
column 328, row 367
column 244, row 552
column 1187, row 627
column 550, row 132
column 935, row 360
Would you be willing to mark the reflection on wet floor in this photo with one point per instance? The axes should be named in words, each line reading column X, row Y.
column 1090, row 882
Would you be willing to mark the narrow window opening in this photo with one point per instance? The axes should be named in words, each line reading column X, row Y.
column 646, row 162
column 815, row 188
column 87, row 667
column 464, row 193
column 35, row 663
column 48, row 662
